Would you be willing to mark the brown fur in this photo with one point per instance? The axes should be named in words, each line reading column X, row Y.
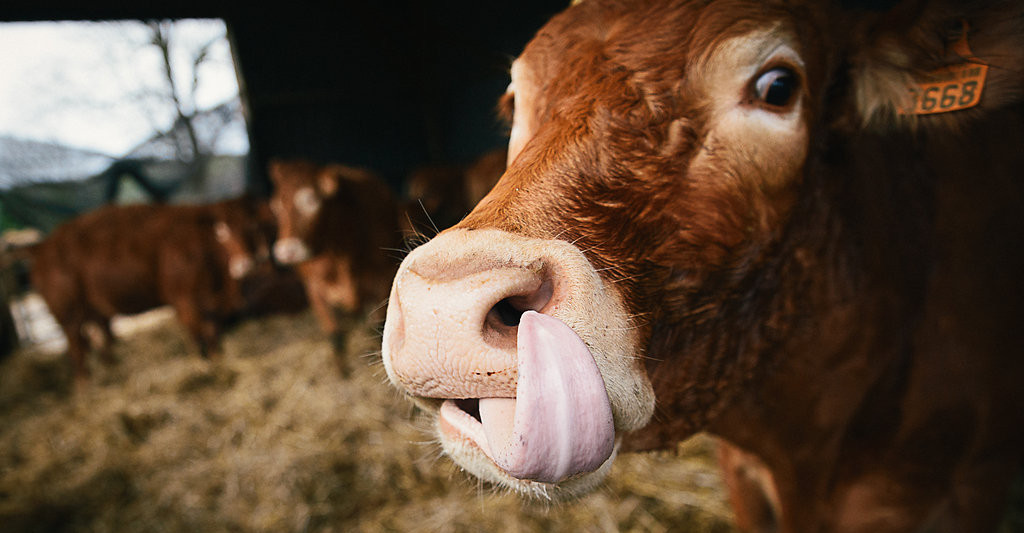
column 854, row 325
column 129, row 259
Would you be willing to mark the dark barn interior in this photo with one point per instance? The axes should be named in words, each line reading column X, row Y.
column 385, row 85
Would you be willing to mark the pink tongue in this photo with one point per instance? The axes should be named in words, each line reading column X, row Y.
column 560, row 423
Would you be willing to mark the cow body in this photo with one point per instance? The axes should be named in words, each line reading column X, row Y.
column 123, row 260
column 338, row 226
column 722, row 203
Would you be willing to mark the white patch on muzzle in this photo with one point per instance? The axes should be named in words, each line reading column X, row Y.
column 290, row 251
column 239, row 267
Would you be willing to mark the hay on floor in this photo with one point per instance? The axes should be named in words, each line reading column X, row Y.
column 270, row 439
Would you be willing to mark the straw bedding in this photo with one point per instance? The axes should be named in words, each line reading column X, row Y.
column 270, row 438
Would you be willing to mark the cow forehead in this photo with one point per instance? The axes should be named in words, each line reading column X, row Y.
column 665, row 37
column 703, row 61
column 296, row 190
column 294, row 183
column 291, row 176
column 662, row 96
column 742, row 55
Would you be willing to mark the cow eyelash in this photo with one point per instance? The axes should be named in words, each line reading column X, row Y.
column 507, row 107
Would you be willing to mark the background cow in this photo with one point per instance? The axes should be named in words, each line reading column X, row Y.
column 338, row 226
column 435, row 200
column 129, row 259
column 485, row 171
column 439, row 196
column 726, row 216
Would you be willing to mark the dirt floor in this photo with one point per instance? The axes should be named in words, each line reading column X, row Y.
column 271, row 439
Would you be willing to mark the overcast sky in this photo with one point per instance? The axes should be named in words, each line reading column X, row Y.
column 79, row 83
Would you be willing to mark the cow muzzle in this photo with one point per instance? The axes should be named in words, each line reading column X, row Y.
column 529, row 360
column 291, row 251
column 240, row 266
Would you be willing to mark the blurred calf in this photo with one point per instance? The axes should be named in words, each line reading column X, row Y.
column 129, row 259
column 339, row 226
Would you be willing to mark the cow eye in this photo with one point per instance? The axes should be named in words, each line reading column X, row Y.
column 776, row 87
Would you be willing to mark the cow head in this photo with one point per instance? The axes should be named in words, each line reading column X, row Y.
column 240, row 262
column 241, row 227
column 300, row 190
column 658, row 154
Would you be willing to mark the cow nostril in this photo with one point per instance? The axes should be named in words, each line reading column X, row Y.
column 507, row 313
column 504, row 316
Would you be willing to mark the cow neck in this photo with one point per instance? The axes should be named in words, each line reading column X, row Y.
column 331, row 232
column 823, row 268
column 916, row 229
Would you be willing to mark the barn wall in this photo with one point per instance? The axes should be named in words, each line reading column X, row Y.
column 375, row 86
column 387, row 85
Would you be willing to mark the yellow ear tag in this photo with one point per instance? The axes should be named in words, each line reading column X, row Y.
column 950, row 88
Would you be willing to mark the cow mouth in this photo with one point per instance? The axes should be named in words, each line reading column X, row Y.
column 523, row 354
column 460, row 419
column 558, row 427
column 291, row 251
column 462, row 438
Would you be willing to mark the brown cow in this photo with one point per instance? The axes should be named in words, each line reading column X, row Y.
column 435, row 200
column 716, row 218
column 439, row 196
column 338, row 226
column 129, row 259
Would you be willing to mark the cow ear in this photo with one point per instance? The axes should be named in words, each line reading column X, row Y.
column 938, row 67
column 327, row 182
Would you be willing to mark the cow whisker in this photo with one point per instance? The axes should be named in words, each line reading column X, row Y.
column 429, row 218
